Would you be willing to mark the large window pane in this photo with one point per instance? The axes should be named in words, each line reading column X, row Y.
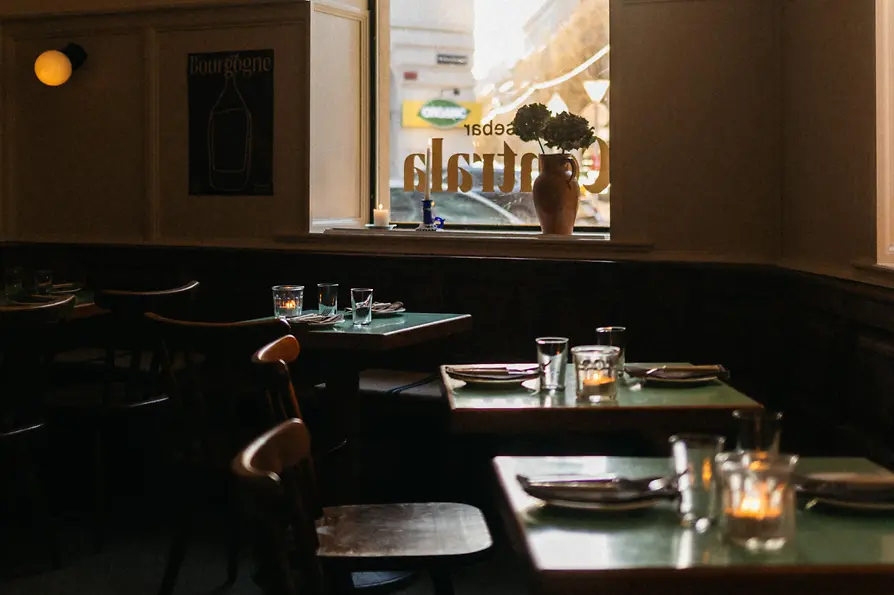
column 460, row 69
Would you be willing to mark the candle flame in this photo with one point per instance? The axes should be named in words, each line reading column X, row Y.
column 380, row 206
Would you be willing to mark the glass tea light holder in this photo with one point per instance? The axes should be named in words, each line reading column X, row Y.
column 288, row 300
column 596, row 373
column 757, row 499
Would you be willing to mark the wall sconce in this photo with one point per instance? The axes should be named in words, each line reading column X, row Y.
column 54, row 67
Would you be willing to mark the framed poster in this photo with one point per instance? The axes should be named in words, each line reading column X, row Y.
column 230, row 98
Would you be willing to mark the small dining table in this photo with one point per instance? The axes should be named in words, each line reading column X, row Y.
column 571, row 552
column 343, row 347
column 521, row 409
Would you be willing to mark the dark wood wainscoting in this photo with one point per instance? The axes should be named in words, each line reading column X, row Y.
column 820, row 349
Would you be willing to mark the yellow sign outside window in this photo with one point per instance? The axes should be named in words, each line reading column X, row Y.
column 440, row 113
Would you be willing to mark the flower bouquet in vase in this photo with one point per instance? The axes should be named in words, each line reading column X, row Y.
column 556, row 189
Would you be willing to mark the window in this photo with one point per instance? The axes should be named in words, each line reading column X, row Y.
column 459, row 70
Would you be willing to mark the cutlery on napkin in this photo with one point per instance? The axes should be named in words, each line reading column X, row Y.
column 384, row 307
column 678, row 371
column 598, row 489
column 853, row 487
column 313, row 318
column 495, row 372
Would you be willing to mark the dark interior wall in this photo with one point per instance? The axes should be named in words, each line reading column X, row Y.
column 821, row 349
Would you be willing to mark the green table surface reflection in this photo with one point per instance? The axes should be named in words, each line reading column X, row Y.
column 573, row 551
column 521, row 407
column 383, row 333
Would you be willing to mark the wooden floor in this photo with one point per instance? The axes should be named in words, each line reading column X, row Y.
column 133, row 563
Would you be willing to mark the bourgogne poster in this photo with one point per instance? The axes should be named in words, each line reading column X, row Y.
column 231, row 123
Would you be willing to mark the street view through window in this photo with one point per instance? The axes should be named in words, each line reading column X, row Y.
column 460, row 69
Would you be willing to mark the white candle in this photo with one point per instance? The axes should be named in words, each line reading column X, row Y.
column 428, row 171
column 381, row 217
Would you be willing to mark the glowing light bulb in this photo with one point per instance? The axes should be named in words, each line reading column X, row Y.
column 53, row 68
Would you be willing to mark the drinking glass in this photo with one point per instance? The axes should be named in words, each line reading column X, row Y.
column 288, row 300
column 757, row 499
column 758, row 429
column 552, row 355
column 361, row 304
column 616, row 336
column 43, row 281
column 596, row 372
column 328, row 301
column 13, row 281
column 693, row 457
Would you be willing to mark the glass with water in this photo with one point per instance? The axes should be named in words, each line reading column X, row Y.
column 552, row 356
column 328, row 298
column 693, row 458
column 361, row 306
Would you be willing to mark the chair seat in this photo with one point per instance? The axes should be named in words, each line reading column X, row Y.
column 390, row 536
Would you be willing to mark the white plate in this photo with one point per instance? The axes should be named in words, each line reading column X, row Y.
column 651, row 380
column 397, row 312
column 604, row 506
column 382, row 227
column 856, row 479
column 476, row 378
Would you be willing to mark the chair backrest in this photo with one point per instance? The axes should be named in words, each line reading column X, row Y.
column 27, row 345
column 277, row 482
column 176, row 301
column 272, row 363
column 207, row 373
column 23, row 316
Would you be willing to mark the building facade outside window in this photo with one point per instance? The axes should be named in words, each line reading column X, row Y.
column 459, row 71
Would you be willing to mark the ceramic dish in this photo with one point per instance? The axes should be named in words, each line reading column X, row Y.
column 495, row 375
column 681, row 382
column 382, row 227
column 604, row 506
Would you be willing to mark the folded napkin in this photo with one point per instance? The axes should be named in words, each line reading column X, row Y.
column 598, row 489
column 314, row 318
column 678, row 372
column 849, row 487
column 385, row 307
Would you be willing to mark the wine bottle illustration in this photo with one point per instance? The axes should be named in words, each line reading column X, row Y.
column 229, row 140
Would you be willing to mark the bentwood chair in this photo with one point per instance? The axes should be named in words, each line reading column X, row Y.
column 214, row 410
column 304, row 548
column 129, row 403
column 272, row 362
column 27, row 347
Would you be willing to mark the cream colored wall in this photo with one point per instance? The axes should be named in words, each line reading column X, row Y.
column 829, row 209
column 103, row 158
column 696, row 129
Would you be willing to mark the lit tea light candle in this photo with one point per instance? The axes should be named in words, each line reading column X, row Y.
column 289, row 305
column 598, row 384
column 757, row 518
column 381, row 216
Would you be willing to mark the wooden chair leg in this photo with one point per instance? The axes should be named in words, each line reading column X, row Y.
column 177, row 553
column 99, row 489
column 40, row 497
column 235, row 522
column 442, row 581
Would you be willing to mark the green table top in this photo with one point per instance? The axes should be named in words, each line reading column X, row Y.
column 577, row 541
column 384, row 333
column 521, row 407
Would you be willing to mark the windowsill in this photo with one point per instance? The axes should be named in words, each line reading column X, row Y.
column 507, row 244
column 873, row 267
